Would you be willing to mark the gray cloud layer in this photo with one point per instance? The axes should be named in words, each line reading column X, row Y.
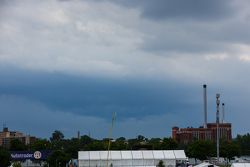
column 178, row 9
column 145, row 59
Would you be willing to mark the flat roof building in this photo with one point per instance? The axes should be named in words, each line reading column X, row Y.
column 6, row 136
column 190, row 134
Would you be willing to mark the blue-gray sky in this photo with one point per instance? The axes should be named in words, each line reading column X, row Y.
column 68, row 64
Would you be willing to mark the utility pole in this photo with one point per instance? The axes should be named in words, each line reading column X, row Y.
column 217, row 123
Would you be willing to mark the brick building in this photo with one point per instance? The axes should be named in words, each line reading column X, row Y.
column 208, row 131
column 190, row 134
column 6, row 136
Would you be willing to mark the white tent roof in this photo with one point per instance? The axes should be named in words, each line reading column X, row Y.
column 240, row 165
column 95, row 155
column 103, row 155
column 83, row 154
column 158, row 154
column 205, row 164
column 136, row 154
column 169, row 154
column 179, row 154
column 116, row 155
column 126, row 154
column 147, row 154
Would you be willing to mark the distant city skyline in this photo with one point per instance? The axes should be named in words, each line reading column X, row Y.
column 68, row 65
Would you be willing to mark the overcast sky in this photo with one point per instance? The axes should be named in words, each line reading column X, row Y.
column 69, row 64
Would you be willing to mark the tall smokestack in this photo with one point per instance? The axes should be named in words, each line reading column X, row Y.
column 78, row 134
column 223, row 113
column 205, row 105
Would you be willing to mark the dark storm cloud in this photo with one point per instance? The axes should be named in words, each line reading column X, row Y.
column 87, row 103
column 179, row 9
column 99, row 97
column 139, row 103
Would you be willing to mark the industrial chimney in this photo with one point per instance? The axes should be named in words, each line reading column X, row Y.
column 78, row 135
column 205, row 105
column 223, row 113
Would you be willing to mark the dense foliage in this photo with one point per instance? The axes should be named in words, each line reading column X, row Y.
column 16, row 164
column 4, row 157
column 160, row 164
column 64, row 150
column 201, row 150
column 244, row 143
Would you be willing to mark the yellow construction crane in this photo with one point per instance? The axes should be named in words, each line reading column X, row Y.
column 110, row 136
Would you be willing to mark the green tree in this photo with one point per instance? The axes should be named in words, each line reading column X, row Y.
column 96, row 145
column 57, row 142
column 58, row 158
column 57, row 136
column 121, row 139
column 72, row 146
column 85, row 140
column 119, row 145
column 141, row 138
column 17, row 145
column 161, row 164
column 4, row 157
column 156, row 143
column 244, row 142
column 17, row 164
column 169, row 144
column 132, row 143
column 45, row 165
column 201, row 150
column 229, row 150
column 40, row 144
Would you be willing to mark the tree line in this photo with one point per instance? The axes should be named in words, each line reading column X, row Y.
column 64, row 150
